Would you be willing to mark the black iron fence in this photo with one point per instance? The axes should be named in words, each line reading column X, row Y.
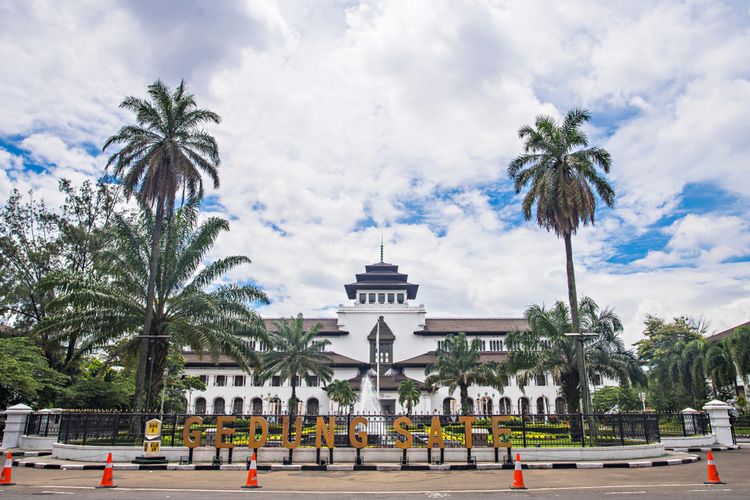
column 43, row 424
column 741, row 427
column 558, row 430
column 684, row 424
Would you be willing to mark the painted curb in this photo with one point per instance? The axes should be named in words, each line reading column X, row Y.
column 381, row 467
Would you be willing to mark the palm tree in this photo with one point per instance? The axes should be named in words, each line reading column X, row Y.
column 165, row 150
column 739, row 349
column 546, row 348
column 106, row 306
column 563, row 173
column 342, row 393
column 294, row 353
column 458, row 366
column 408, row 394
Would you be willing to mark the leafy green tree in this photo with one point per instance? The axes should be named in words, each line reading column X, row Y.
column 25, row 375
column 738, row 350
column 177, row 385
column 164, row 150
column 458, row 366
column 340, row 392
column 563, row 174
column 295, row 353
column 409, row 394
column 660, row 336
column 105, row 308
column 99, row 387
column 622, row 398
column 546, row 348
column 36, row 241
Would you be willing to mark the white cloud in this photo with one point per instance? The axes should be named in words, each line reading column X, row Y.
column 339, row 112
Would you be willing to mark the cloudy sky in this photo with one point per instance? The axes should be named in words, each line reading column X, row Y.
column 347, row 120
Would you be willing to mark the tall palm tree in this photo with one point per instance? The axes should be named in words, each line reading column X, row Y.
column 458, row 366
column 164, row 150
column 294, row 353
column 546, row 348
column 739, row 349
column 409, row 394
column 107, row 305
column 342, row 393
column 563, row 174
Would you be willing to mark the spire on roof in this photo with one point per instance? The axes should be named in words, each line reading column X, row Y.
column 381, row 248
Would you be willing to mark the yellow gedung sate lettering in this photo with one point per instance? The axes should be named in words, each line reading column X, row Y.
column 358, row 439
column 221, row 431
column 398, row 427
column 322, row 430
column 468, row 422
column 498, row 431
column 436, row 433
column 254, row 423
column 297, row 432
column 192, row 439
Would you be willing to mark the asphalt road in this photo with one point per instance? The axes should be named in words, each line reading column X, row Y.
column 675, row 482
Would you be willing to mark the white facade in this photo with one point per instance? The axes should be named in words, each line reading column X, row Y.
column 380, row 299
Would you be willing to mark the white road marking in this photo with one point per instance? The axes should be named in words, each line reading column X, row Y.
column 642, row 492
column 628, row 487
column 708, row 490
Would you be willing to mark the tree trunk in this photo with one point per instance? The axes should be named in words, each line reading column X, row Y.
column 293, row 400
column 573, row 300
column 464, row 391
column 139, row 400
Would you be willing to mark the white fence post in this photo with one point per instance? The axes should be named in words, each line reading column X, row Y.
column 15, row 425
column 718, row 412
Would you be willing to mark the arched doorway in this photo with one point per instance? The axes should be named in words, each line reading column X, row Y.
column 257, row 406
column 541, row 406
column 503, row 406
column 449, row 406
column 313, row 407
column 274, row 406
column 561, row 406
column 200, row 406
column 237, row 406
column 219, row 406
column 523, row 406
column 486, row 405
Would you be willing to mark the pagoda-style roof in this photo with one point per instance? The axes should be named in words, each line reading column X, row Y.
column 330, row 326
column 195, row 360
column 381, row 276
column 385, row 331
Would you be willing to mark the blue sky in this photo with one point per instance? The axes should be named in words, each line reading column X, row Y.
column 345, row 121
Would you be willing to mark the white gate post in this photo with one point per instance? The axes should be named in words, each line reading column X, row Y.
column 15, row 425
column 718, row 412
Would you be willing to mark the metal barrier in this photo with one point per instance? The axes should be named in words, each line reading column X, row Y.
column 740, row 427
column 684, row 424
column 555, row 430
column 43, row 424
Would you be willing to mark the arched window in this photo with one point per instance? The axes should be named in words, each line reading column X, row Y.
column 449, row 406
column 218, row 406
column 541, row 406
column 503, row 406
column 274, row 406
column 257, row 405
column 523, row 406
column 237, row 406
column 200, row 406
column 560, row 405
column 313, row 407
column 472, row 408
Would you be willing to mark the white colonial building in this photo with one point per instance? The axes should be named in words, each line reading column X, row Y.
column 381, row 307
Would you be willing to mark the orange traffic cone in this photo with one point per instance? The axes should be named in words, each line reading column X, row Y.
column 252, row 475
column 107, row 476
column 518, row 475
column 713, row 473
column 5, row 478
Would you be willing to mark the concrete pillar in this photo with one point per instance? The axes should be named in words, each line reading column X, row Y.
column 15, row 425
column 718, row 412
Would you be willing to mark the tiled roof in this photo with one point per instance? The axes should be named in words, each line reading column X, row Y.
column 726, row 333
column 387, row 382
column 441, row 326
column 193, row 359
column 330, row 326
column 429, row 358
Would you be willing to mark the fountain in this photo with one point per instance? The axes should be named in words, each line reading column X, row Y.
column 368, row 406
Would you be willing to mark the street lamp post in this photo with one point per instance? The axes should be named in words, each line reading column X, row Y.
column 642, row 396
